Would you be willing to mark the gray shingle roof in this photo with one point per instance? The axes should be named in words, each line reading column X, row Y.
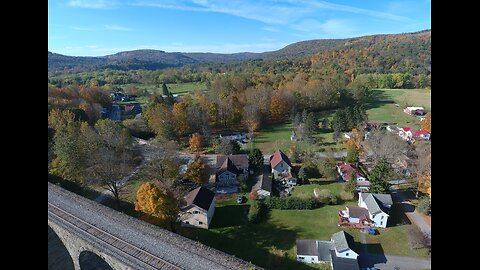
column 307, row 247
column 263, row 182
column 342, row 241
column 377, row 202
column 201, row 197
column 324, row 248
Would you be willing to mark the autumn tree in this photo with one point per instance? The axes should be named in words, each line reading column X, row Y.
column 352, row 154
column 383, row 144
column 59, row 118
column 280, row 104
column 159, row 118
column 255, row 160
column 158, row 204
column 228, row 147
column 198, row 171
column 196, row 142
column 426, row 123
column 326, row 166
column 180, row 118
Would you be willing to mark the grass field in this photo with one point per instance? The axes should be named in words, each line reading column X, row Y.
column 176, row 88
column 388, row 105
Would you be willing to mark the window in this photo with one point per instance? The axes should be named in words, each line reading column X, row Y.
column 381, row 222
column 346, row 254
column 187, row 222
column 301, row 258
column 313, row 259
column 382, row 217
column 373, row 216
column 195, row 212
column 200, row 223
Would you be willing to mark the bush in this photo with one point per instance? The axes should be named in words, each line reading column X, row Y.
column 257, row 211
column 346, row 196
column 424, row 205
column 291, row 203
column 327, row 197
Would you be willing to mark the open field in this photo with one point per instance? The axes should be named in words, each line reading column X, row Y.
column 388, row 105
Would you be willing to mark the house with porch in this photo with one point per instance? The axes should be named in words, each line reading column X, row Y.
column 378, row 206
column 338, row 252
column 198, row 209
column 282, row 168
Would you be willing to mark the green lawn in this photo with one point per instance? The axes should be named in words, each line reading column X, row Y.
column 176, row 88
column 277, row 136
column 384, row 107
column 306, row 191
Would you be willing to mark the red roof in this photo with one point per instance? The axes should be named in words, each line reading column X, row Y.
column 418, row 132
column 348, row 169
column 406, row 129
column 277, row 157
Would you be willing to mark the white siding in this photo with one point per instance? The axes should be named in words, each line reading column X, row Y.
column 308, row 259
column 227, row 178
column 354, row 220
column 199, row 220
column 282, row 167
column 379, row 219
column 361, row 203
column 347, row 254
column 263, row 193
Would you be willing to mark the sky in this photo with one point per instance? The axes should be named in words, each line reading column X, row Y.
column 103, row 27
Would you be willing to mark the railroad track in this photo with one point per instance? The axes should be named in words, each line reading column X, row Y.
column 139, row 255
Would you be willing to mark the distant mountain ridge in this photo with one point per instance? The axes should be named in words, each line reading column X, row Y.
column 157, row 59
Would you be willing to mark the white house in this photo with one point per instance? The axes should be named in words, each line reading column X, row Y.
column 414, row 110
column 405, row 133
column 282, row 168
column 199, row 209
column 337, row 252
column 343, row 245
column 378, row 206
column 263, row 185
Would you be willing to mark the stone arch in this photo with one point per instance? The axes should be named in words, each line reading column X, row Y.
column 58, row 256
column 88, row 260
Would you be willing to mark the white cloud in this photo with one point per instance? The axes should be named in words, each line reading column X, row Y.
column 334, row 28
column 80, row 28
column 95, row 4
column 117, row 27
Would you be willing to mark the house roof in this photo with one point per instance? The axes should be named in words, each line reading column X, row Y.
column 227, row 165
column 377, row 202
column 342, row 241
column 201, row 197
column 277, row 157
column 240, row 161
column 406, row 129
column 324, row 248
column 419, row 131
column 348, row 169
column 415, row 108
column 363, row 183
column 307, row 247
column 358, row 212
column 263, row 182
column 343, row 263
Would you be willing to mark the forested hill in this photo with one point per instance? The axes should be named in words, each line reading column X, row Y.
column 409, row 43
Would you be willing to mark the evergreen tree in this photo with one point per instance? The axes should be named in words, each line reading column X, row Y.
column 165, row 91
column 255, row 160
column 352, row 154
column 379, row 177
column 303, row 175
column 351, row 185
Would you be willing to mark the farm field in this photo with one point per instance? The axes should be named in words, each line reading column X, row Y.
column 388, row 105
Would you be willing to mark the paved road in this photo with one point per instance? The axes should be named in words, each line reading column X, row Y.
column 411, row 213
column 389, row 262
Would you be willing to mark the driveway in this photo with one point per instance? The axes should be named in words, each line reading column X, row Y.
column 412, row 213
column 389, row 262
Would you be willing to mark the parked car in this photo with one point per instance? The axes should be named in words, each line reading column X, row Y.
column 240, row 199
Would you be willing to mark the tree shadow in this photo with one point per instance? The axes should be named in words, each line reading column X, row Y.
column 230, row 215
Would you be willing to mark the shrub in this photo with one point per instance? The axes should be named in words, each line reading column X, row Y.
column 327, row 197
column 291, row 203
column 346, row 196
column 424, row 205
column 253, row 195
column 257, row 211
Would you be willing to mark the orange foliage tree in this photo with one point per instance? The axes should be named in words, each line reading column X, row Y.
column 426, row 123
column 196, row 142
column 198, row 171
column 158, row 204
column 180, row 117
column 279, row 105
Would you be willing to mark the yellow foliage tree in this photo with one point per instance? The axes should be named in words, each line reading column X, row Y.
column 279, row 107
column 158, row 204
column 356, row 140
column 180, row 117
column 196, row 142
column 198, row 171
column 426, row 123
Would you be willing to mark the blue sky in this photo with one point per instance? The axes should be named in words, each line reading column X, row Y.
column 102, row 27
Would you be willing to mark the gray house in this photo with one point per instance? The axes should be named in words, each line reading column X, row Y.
column 229, row 170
